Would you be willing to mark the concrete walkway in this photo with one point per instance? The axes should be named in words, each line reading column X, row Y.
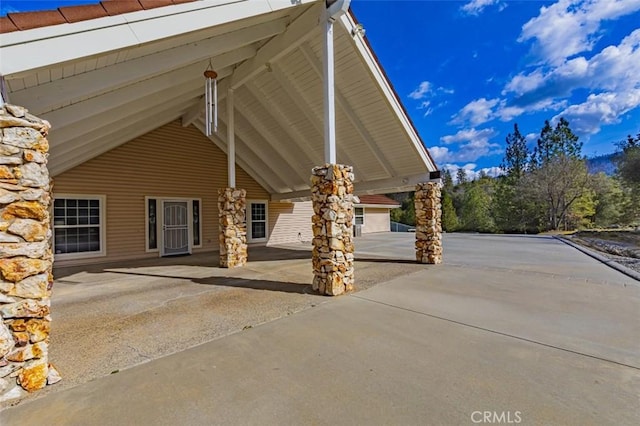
column 527, row 329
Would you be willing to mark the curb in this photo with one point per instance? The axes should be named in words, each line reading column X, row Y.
column 611, row 263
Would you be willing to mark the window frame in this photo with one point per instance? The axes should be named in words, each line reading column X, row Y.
column 355, row 216
column 249, row 219
column 102, row 200
column 160, row 220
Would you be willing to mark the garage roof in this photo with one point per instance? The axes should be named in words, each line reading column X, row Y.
column 104, row 75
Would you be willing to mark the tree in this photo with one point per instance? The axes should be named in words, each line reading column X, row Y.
column 516, row 154
column 449, row 215
column 609, row 200
column 512, row 208
column 557, row 185
column 447, row 182
column 629, row 161
column 476, row 211
column 555, row 142
column 558, row 171
column 461, row 176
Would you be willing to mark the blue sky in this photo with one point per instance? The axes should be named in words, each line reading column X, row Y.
column 468, row 70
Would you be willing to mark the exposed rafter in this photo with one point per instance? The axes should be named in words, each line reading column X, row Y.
column 297, row 32
column 280, row 117
column 48, row 96
column 247, row 165
column 281, row 146
column 269, row 158
column 117, row 98
column 111, row 137
column 348, row 111
column 294, row 94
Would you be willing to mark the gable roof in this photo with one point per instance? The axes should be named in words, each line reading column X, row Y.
column 132, row 71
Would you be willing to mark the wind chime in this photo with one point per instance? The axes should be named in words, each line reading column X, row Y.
column 210, row 100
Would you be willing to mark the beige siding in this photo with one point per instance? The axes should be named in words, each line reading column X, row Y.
column 290, row 222
column 376, row 220
column 170, row 161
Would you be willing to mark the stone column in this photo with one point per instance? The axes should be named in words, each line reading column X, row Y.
column 232, row 206
column 332, row 222
column 26, row 257
column 428, row 223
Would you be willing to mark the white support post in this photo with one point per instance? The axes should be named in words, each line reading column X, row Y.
column 329, row 96
column 231, row 140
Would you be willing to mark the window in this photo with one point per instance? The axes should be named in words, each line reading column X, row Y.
column 78, row 226
column 154, row 221
column 359, row 215
column 257, row 221
column 196, row 222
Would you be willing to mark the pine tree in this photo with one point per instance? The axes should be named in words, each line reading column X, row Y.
column 516, row 154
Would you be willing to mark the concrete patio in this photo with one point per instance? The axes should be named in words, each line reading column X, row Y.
column 508, row 324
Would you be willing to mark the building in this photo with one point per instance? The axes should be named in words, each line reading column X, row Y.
column 135, row 174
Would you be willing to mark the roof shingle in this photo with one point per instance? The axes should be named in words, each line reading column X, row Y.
column 29, row 20
column 83, row 13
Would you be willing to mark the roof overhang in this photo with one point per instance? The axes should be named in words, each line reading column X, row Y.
column 106, row 81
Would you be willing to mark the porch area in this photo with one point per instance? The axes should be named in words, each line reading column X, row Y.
column 109, row 317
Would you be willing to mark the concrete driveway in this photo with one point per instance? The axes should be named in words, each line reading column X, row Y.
column 509, row 329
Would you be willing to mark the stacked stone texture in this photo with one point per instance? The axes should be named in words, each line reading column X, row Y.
column 26, row 258
column 332, row 222
column 233, row 227
column 428, row 223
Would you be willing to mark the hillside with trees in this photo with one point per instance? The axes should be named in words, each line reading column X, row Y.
column 546, row 188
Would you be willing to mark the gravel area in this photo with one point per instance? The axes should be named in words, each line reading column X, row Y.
column 626, row 253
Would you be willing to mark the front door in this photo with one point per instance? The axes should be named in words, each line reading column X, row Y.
column 175, row 228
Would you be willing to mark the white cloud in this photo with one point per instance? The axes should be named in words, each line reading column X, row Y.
column 603, row 108
column 475, row 7
column 470, row 145
column 569, row 27
column 470, row 169
column 615, row 67
column 476, row 112
column 426, row 105
column 423, row 89
column 611, row 77
column 531, row 137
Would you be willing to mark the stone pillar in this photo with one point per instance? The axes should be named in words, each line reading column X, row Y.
column 26, row 257
column 232, row 207
column 332, row 222
column 428, row 223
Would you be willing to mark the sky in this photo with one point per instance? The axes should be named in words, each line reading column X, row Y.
column 468, row 70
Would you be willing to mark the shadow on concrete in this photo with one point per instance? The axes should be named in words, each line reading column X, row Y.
column 206, row 259
column 281, row 286
column 386, row 260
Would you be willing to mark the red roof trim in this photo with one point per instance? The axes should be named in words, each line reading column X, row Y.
column 117, row 7
column 152, row 4
column 378, row 199
column 83, row 13
column 7, row 25
column 29, row 20
column 69, row 14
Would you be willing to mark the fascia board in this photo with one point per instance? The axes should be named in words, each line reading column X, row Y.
column 349, row 25
column 23, row 51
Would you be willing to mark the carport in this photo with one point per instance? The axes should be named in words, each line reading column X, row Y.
column 298, row 89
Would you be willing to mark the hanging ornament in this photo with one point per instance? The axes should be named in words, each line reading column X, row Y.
column 210, row 100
